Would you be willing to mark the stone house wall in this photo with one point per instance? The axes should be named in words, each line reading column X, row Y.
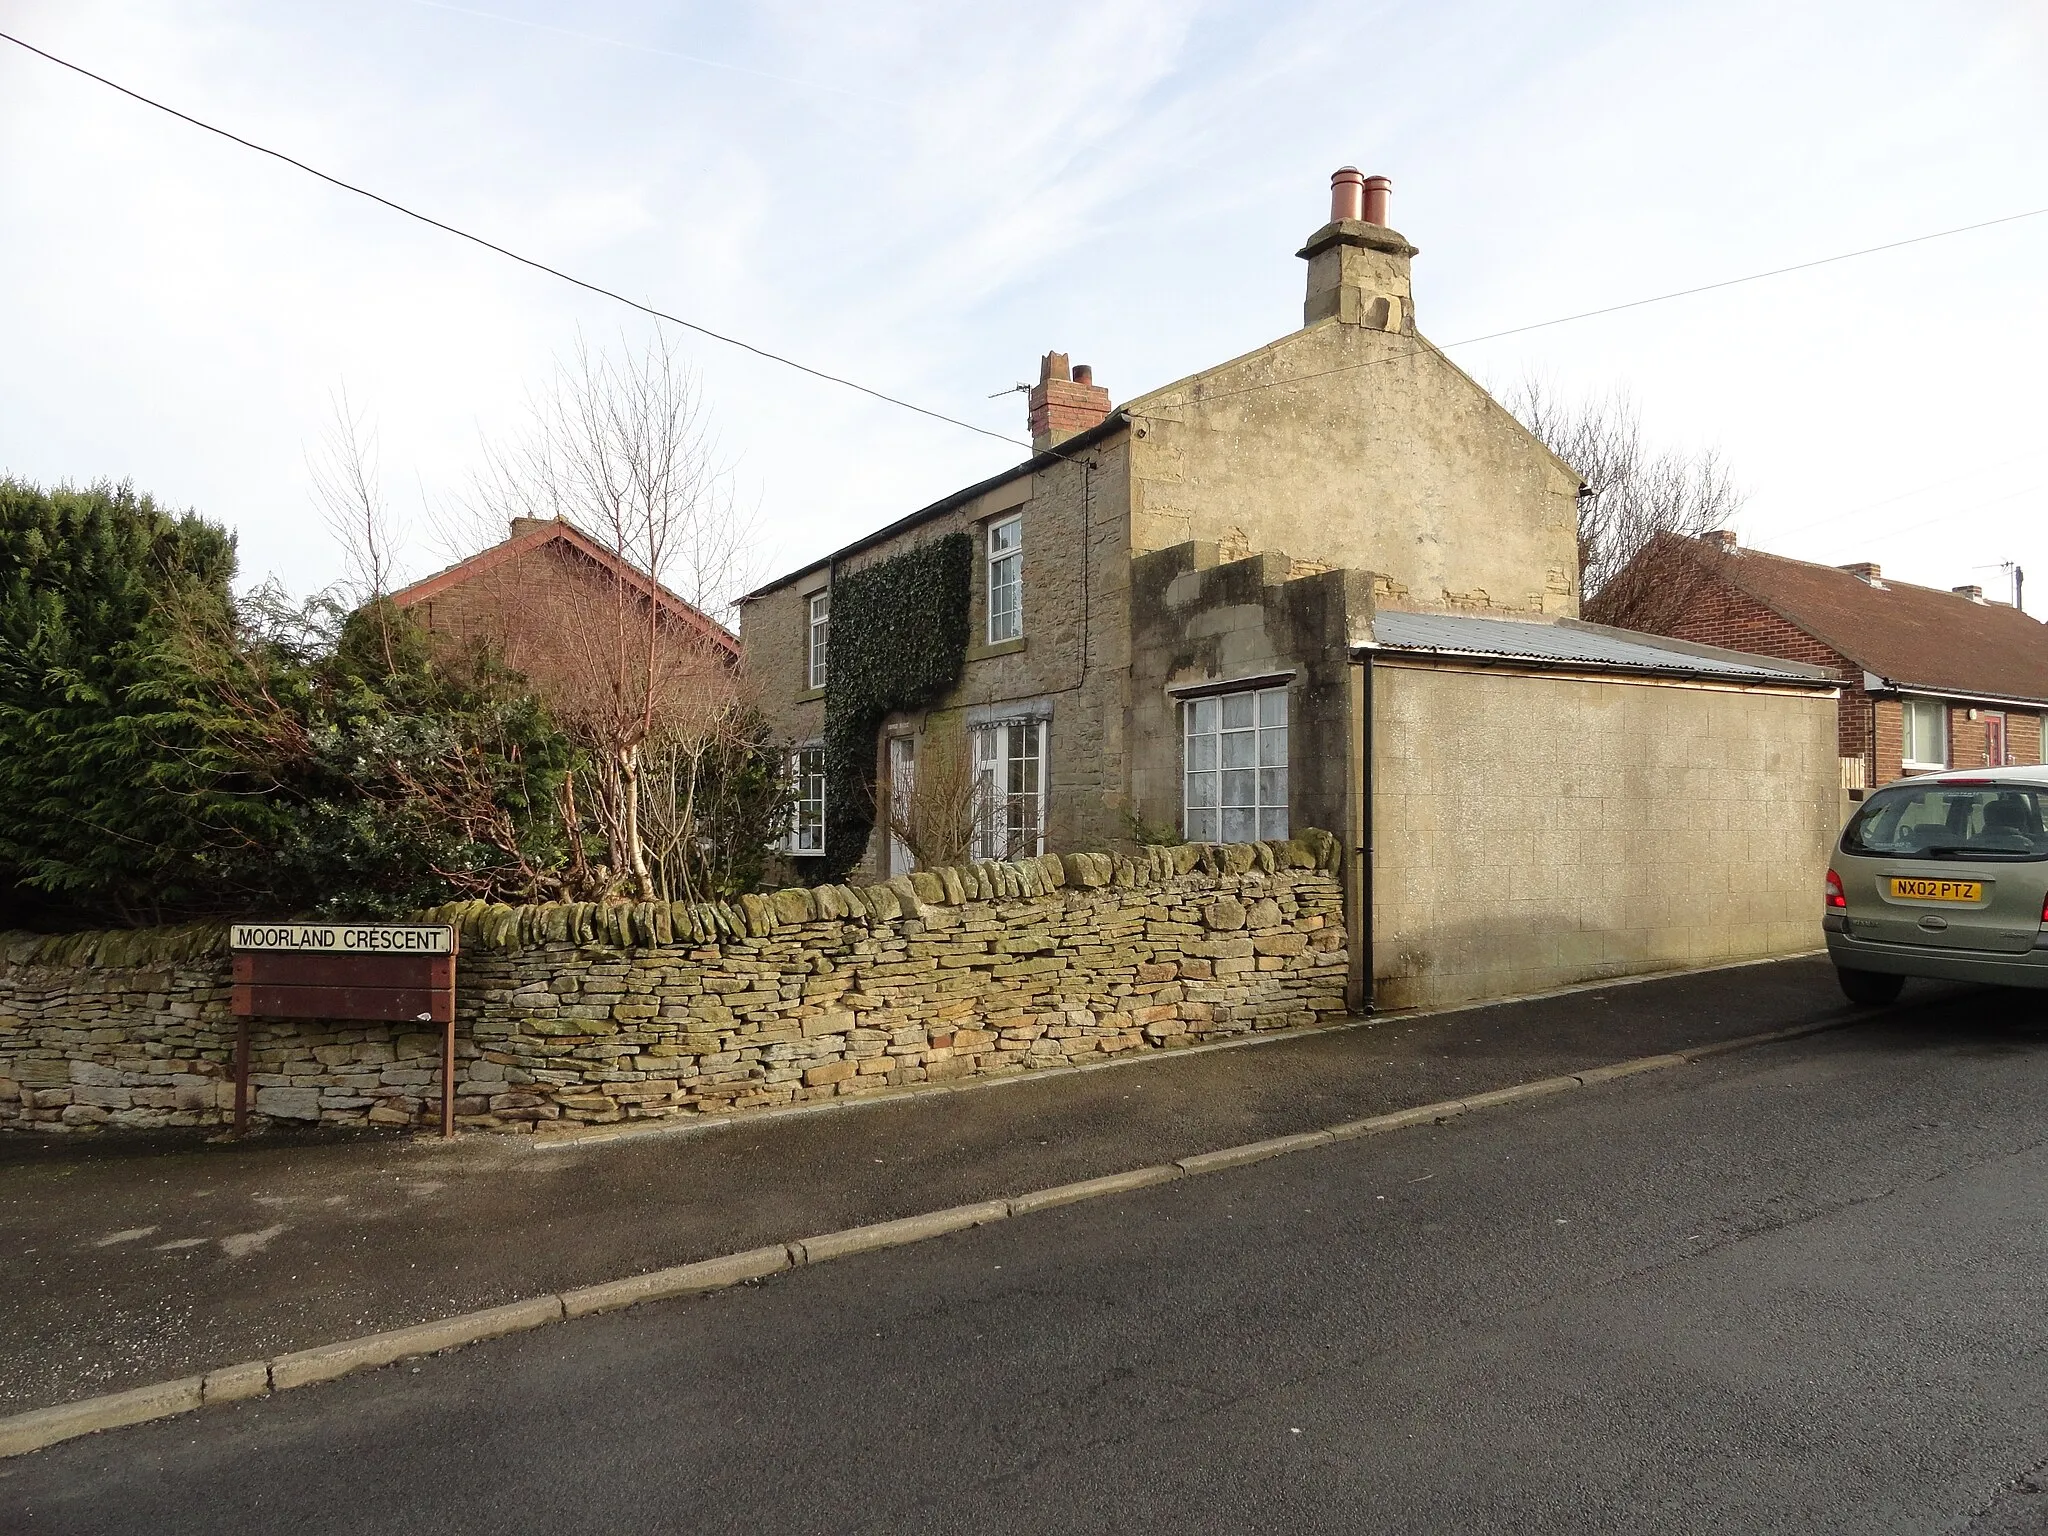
column 1070, row 665
column 577, row 1013
column 1349, row 446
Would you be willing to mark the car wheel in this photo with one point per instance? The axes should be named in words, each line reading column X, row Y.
column 1869, row 989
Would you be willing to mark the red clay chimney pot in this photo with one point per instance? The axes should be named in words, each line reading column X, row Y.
column 1376, row 189
column 1346, row 194
column 1083, row 374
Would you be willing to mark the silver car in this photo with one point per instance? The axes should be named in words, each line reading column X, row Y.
column 1944, row 876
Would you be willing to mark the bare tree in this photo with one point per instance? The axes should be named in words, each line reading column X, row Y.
column 934, row 813
column 347, row 488
column 1638, row 503
column 620, row 447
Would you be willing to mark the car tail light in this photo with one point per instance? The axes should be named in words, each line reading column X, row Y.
column 1837, row 897
column 2044, row 911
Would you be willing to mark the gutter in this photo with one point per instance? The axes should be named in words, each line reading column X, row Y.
column 1875, row 685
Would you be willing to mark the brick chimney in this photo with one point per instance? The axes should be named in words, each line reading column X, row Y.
column 522, row 526
column 1357, row 266
column 1974, row 594
column 1722, row 539
column 1864, row 570
column 1065, row 403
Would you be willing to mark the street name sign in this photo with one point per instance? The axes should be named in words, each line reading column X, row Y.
column 344, row 938
column 396, row 971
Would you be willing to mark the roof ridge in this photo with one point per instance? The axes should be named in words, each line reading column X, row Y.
column 1748, row 551
column 559, row 529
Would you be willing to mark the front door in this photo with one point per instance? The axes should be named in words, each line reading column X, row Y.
column 1994, row 741
column 902, row 781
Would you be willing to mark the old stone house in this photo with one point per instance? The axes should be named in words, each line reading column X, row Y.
column 1930, row 679
column 1329, row 583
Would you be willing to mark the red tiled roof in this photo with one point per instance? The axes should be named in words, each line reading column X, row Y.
column 556, row 531
column 1914, row 637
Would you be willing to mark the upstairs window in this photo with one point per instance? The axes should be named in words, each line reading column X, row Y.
column 821, row 628
column 1925, row 733
column 1236, row 767
column 807, row 785
column 1005, row 580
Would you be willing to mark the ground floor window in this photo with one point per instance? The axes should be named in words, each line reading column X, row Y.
column 1235, row 789
column 807, row 786
column 1010, row 787
column 1924, row 733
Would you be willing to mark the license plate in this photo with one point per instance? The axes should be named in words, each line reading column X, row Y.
column 1905, row 889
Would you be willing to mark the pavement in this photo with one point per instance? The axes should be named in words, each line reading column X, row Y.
column 136, row 1261
column 1799, row 1288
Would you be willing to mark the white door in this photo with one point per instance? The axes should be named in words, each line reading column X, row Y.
column 902, row 780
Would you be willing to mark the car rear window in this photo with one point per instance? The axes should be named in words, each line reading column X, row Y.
column 1931, row 820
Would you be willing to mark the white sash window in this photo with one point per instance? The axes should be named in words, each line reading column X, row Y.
column 1005, row 580
column 807, row 782
column 1010, row 787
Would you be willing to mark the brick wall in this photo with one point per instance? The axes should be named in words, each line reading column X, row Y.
column 1966, row 739
column 572, row 1012
column 555, row 616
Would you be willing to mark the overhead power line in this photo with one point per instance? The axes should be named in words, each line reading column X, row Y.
column 525, row 261
column 1614, row 309
column 898, row 401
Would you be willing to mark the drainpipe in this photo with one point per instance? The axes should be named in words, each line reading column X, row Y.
column 1358, row 884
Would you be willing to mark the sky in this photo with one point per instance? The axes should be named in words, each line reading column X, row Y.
column 926, row 198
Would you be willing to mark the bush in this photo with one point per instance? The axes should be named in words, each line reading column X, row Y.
column 166, row 752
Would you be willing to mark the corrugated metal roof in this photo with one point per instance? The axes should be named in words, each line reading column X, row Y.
column 1593, row 647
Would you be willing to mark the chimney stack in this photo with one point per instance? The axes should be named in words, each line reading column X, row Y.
column 1864, row 570
column 1357, row 266
column 1974, row 594
column 1722, row 539
column 1065, row 403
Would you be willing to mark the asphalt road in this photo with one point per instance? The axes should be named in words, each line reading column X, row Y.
column 131, row 1260
column 1802, row 1288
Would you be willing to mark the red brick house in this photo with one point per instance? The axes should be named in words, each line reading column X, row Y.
column 549, row 596
column 1931, row 679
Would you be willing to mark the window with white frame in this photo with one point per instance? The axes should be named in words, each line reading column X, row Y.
column 1010, row 785
column 821, row 629
column 1925, row 733
column 1235, row 788
column 1005, row 580
column 807, row 787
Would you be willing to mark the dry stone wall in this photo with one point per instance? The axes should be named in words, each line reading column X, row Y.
column 596, row 1014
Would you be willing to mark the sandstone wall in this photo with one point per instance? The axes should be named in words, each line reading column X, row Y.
column 573, row 1013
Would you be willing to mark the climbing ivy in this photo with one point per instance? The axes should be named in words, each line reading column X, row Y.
column 898, row 641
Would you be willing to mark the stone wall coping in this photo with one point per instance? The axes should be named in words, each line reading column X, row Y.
column 618, row 924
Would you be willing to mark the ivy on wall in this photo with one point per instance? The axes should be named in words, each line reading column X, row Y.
column 898, row 641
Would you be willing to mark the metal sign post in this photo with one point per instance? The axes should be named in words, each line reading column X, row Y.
column 344, row 971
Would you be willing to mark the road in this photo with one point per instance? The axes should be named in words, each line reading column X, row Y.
column 1801, row 1288
column 125, row 1261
